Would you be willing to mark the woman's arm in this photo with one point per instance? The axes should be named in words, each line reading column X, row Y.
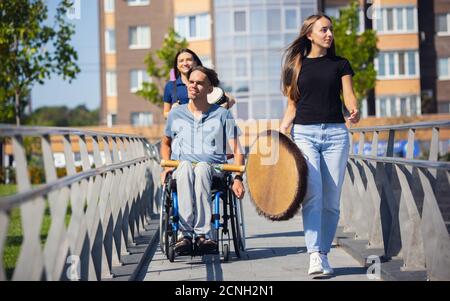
column 167, row 107
column 350, row 100
column 289, row 116
column 231, row 101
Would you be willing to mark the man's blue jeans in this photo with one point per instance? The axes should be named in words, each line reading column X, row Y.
column 326, row 148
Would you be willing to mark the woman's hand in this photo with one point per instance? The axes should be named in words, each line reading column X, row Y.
column 238, row 188
column 354, row 116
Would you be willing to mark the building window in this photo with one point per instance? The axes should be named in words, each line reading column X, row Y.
column 111, row 83
column 138, row 2
column 193, row 27
column 110, row 41
column 111, row 120
column 395, row 20
column 290, row 19
column 139, row 37
column 364, row 109
column 109, row 6
column 444, row 107
column 443, row 24
column 392, row 65
column 241, row 67
column 274, row 20
column 392, row 106
column 141, row 119
column 206, row 61
column 332, row 11
column 137, row 78
column 241, row 110
column 443, row 68
column 240, row 21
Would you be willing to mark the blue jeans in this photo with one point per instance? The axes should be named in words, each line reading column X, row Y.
column 326, row 148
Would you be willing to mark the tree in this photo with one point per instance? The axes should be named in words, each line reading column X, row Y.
column 160, row 73
column 359, row 48
column 31, row 50
column 63, row 116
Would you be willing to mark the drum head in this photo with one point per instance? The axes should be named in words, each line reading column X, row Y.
column 276, row 181
column 215, row 95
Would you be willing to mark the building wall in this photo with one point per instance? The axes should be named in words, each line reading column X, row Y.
column 394, row 44
column 250, row 38
column 158, row 15
column 442, row 44
column 203, row 46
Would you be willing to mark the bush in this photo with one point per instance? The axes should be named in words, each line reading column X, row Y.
column 7, row 172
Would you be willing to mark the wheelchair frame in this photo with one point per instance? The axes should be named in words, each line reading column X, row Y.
column 231, row 215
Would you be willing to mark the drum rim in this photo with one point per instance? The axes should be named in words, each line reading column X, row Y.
column 301, row 165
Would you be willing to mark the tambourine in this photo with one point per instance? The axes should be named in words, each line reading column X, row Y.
column 217, row 96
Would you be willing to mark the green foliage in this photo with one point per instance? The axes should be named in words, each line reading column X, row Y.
column 25, row 58
column 359, row 49
column 160, row 72
column 63, row 116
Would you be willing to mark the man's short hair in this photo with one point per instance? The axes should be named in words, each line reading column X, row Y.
column 210, row 74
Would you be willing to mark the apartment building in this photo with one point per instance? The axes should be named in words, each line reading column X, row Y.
column 250, row 37
column 442, row 48
column 129, row 30
column 398, row 89
column 194, row 23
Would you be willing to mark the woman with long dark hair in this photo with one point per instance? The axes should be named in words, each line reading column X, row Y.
column 175, row 91
column 312, row 79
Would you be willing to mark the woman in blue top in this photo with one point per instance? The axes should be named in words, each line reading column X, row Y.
column 175, row 92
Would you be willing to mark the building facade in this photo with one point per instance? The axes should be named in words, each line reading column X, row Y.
column 244, row 41
column 398, row 85
column 250, row 37
column 442, row 46
column 194, row 23
column 129, row 30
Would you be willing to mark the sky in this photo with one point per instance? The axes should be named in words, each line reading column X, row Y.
column 85, row 89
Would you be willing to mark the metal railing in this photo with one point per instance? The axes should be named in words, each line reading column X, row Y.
column 400, row 205
column 93, row 213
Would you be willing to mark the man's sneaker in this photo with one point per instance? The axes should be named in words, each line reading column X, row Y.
column 183, row 246
column 327, row 270
column 315, row 264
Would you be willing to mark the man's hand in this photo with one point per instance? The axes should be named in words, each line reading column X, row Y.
column 164, row 174
column 238, row 188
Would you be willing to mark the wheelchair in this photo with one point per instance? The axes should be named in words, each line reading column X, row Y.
column 230, row 215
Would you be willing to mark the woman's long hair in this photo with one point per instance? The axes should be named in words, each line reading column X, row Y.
column 294, row 54
column 194, row 56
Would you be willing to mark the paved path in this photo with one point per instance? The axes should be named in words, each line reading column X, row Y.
column 275, row 251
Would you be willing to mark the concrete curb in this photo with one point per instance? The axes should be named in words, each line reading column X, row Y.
column 390, row 270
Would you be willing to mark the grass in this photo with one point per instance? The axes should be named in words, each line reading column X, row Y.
column 7, row 189
column 14, row 238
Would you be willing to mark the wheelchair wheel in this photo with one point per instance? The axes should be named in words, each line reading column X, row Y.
column 163, row 221
column 235, row 227
column 165, row 228
column 226, row 252
column 171, row 254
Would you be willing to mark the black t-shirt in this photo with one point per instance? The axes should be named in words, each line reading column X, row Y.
column 320, row 85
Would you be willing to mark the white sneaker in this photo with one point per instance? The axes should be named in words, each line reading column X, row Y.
column 315, row 264
column 327, row 270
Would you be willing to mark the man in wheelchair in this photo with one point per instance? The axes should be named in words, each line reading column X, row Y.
column 199, row 132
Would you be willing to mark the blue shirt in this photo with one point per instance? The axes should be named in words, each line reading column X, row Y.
column 181, row 92
column 200, row 140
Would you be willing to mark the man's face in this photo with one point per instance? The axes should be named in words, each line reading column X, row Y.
column 199, row 86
